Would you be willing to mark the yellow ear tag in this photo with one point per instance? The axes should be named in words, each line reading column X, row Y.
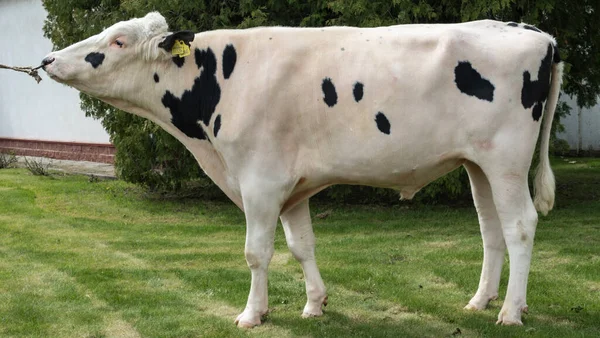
column 180, row 49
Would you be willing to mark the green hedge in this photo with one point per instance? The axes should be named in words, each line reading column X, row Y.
column 148, row 156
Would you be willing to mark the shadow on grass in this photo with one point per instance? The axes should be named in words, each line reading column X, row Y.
column 337, row 324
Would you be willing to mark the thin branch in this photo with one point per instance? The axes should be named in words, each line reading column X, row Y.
column 28, row 70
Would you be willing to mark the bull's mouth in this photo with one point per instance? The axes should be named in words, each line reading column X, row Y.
column 54, row 73
column 73, row 83
column 53, row 76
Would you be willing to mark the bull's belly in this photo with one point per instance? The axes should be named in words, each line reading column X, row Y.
column 408, row 180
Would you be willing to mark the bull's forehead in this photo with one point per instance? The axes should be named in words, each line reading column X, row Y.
column 151, row 25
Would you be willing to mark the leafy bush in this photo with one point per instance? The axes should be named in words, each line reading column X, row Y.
column 560, row 147
column 38, row 167
column 149, row 156
column 7, row 160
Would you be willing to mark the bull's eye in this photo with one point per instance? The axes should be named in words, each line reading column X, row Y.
column 119, row 43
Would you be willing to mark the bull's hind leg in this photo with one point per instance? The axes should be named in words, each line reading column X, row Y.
column 519, row 220
column 301, row 241
column 493, row 239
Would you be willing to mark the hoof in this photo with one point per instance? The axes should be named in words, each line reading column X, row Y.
column 471, row 307
column 245, row 325
column 509, row 322
column 505, row 318
column 248, row 319
column 312, row 314
column 479, row 303
column 314, row 310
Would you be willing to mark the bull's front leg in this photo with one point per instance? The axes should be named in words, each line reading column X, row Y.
column 261, row 220
column 301, row 241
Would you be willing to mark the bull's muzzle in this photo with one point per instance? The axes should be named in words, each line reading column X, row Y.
column 47, row 60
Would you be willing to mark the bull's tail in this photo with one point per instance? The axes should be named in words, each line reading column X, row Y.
column 544, row 185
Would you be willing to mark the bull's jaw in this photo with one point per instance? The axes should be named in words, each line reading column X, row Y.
column 55, row 73
column 76, row 84
column 128, row 107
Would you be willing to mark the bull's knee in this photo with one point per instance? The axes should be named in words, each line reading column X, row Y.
column 526, row 228
column 257, row 257
column 302, row 251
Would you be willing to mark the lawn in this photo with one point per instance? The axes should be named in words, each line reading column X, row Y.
column 80, row 258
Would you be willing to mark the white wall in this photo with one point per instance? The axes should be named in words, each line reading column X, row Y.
column 45, row 111
column 589, row 126
column 50, row 111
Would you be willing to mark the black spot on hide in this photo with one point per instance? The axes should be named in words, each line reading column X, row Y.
column 556, row 56
column 470, row 82
column 358, row 91
column 512, row 24
column 229, row 59
column 217, row 125
column 330, row 97
column 156, row 78
column 535, row 93
column 532, row 28
column 95, row 59
column 383, row 124
column 178, row 61
column 198, row 103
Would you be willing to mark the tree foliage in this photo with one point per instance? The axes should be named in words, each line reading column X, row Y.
column 148, row 155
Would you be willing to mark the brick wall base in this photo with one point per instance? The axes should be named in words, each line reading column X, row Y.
column 75, row 151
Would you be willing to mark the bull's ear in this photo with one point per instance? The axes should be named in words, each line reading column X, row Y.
column 186, row 36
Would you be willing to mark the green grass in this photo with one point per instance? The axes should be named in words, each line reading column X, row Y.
column 102, row 259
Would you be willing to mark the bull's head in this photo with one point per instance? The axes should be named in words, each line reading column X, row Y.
column 115, row 64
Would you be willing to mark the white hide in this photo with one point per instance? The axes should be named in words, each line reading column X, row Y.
column 280, row 141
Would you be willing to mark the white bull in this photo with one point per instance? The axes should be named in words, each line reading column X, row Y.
column 274, row 115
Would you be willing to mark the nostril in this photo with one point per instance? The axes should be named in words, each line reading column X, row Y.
column 47, row 60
